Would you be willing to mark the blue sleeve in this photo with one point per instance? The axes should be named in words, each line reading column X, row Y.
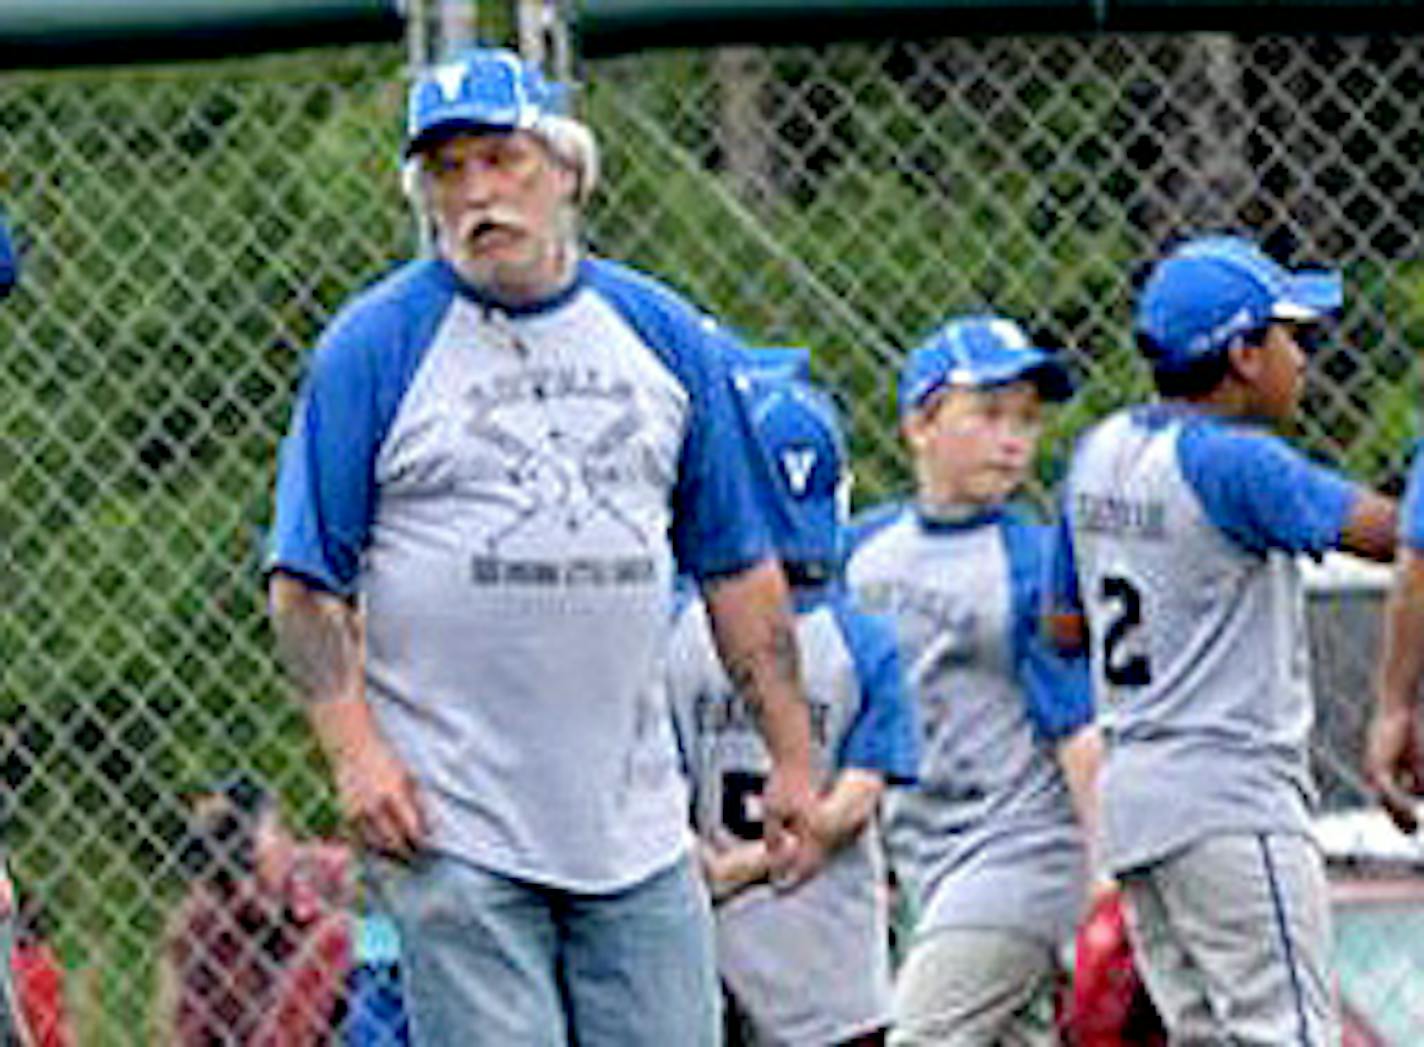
column 1261, row 492
column 1057, row 687
column 717, row 524
column 1411, row 519
column 884, row 736
column 9, row 262
column 1063, row 595
column 354, row 382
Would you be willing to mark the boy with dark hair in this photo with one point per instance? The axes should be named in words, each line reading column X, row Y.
column 1185, row 519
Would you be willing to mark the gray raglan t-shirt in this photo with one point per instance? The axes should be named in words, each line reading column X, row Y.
column 509, row 493
column 1184, row 535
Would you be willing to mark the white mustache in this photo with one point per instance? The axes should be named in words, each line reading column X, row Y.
column 477, row 225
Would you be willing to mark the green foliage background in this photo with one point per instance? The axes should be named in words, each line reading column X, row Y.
column 188, row 230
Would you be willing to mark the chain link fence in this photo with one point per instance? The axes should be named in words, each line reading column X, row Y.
column 188, row 229
column 849, row 198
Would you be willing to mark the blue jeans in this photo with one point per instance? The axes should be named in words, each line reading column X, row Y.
column 491, row 960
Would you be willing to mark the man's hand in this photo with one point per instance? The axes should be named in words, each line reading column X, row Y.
column 794, row 848
column 380, row 800
column 378, row 795
column 1392, row 763
column 322, row 641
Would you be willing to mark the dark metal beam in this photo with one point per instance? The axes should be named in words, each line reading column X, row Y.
column 80, row 32
column 617, row 26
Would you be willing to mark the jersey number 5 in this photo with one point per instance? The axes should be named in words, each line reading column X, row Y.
column 1122, row 669
column 741, row 804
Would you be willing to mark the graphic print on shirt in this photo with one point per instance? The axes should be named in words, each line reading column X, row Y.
column 566, row 463
column 563, row 457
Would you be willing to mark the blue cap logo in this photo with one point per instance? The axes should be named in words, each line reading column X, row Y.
column 485, row 89
column 1211, row 291
column 976, row 352
column 802, row 466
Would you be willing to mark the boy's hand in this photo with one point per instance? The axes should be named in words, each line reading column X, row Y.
column 731, row 865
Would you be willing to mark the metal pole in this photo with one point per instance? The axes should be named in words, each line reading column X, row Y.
column 530, row 16
column 419, row 54
column 457, row 25
column 557, row 16
column 417, row 35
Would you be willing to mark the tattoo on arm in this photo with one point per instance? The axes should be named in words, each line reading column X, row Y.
column 772, row 659
column 319, row 646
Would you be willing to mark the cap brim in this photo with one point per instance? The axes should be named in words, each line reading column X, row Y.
column 440, row 131
column 1310, row 296
column 1054, row 382
column 1050, row 377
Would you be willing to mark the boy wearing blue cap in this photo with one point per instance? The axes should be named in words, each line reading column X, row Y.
column 498, row 459
column 991, row 847
column 811, row 965
column 1185, row 519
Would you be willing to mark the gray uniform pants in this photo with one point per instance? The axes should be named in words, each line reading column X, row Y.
column 967, row 987
column 1233, row 937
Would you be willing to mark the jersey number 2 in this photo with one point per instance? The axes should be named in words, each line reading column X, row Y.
column 1123, row 670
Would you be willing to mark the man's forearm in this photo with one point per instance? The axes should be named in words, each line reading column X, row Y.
column 319, row 641
column 752, row 623
column 768, row 677
column 1402, row 657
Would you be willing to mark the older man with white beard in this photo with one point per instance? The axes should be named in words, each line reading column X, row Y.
column 498, row 461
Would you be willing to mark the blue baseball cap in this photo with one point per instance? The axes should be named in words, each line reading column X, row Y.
column 9, row 262
column 975, row 352
column 483, row 89
column 802, row 465
column 1214, row 289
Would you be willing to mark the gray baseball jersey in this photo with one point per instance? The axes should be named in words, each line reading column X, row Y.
column 810, row 966
column 506, row 491
column 1184, row 531
column 988, row 839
